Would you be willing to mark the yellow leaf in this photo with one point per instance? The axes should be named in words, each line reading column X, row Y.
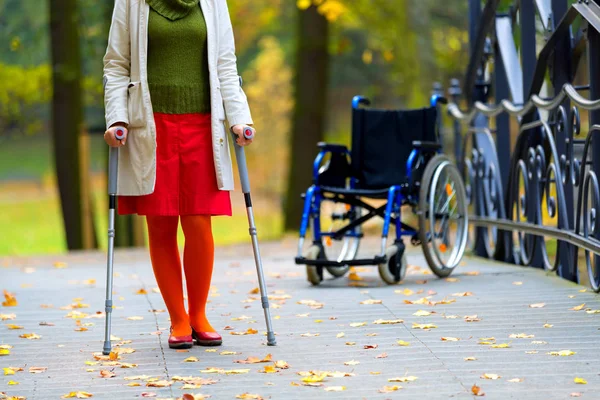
column 406, row 292
column 30, row 336
column 422, row 313
column 563, row 353
column 515, row 380
column 350, row 343
column 389, row 389
column 340, row 335
column 11, row 382
column 548, row 325
column 358, row 324
column 371, row 301
column 162, row 383
column 4, row 317
column 191, row 359
column 308, row 334
column 388, row 321
column 450, row 339
column 578, row 308
column 592, row 311
column 8, row 371
column 13, row 326
column 10, row 299
column 60, row 264
column 248, row 396
column 472, row 273
column 79, row 395
column 4, row 352
column 335, row 388
column 580, row 381
column 501, row 346
column 403, row 343
column 227, row 353
column 353, row 276
column 452, row 280
column 490, row 376
column 462, row 294
column 423, row 326
column 318, row 321
column 250, row 331
column 225, row 371
column 314, row 378
column 107, row 374
column 403, row 379
column 254, row 291
column 520, row 336
column 134, row 384
column 352, row 362
column 142, row 291
column 281, row 364
column 537, row 305
column 469, row 358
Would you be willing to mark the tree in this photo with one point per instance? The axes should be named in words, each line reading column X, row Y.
column 308, row 121
column 67, row 123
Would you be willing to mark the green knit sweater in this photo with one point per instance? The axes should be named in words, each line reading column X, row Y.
column 177, row 57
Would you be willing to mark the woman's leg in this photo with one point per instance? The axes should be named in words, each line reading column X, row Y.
column 164, row 253
column 198, row 259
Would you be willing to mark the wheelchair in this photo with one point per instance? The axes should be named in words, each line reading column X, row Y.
column 395, row 160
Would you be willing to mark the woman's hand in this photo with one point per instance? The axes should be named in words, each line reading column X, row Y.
column 239, row 131
column 110, row 137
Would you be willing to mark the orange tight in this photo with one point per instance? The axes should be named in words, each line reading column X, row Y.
column 198, row 259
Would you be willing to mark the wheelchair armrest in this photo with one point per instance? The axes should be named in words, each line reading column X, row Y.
column 334, row 148
column 417, row 144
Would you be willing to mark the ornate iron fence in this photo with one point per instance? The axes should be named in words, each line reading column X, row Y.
column 534, row 202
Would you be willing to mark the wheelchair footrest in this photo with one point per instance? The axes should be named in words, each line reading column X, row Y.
column 330, row 263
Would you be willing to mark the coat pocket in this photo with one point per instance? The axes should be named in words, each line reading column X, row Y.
column 135, row 106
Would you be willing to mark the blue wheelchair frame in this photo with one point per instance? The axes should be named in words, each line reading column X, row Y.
column 390, row 212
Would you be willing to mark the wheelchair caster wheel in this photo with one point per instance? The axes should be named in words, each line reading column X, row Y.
column 387, row 270
column 415, row 241
column 314, row 274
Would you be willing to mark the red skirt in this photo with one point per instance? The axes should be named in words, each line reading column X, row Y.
column 186, row 182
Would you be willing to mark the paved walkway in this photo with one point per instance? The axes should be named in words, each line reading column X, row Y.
column 334, row 332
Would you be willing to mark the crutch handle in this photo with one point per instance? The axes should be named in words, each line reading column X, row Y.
column 249, row 133
column 120, row 133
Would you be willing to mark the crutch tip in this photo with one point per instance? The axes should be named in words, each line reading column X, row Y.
column 107, row 349
column 271, row 339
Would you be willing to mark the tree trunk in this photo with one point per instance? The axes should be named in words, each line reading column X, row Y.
column 67, row 125
column 311, row 83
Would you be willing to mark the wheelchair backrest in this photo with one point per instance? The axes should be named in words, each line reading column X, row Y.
column 382, row 141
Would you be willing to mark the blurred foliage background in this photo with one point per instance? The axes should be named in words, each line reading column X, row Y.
column 389, row 50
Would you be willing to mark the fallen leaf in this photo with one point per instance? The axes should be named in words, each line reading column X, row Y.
column 8, row 371
column 4, row 352
column 450, row 339
column 357, row 324
column 470, row 359
column 422, row 313
column 248, row 396
column 162, row 383
column 538, row 342
column 371, row 301
column 537, row 305
column 592, row 311
column 548, row 325
column 382, row 355
column 13, row 326
column 370, row 346
column 387, row 321
column 335, row 388
column 315, row 305
column 580, row 381
column 563, row 353
column 578, row 308
column 520, row 336
column 37, row 370
column 281, row 364
column 462, row 294
column 79, row 395
column 44, row 323
column 59, row 264
column 255, row 360
column 315, row 378
column 501, row 346
column 352, row 362
column 142, row 291
column 403, row 343
column 4, row 317
column 10, row 299
column 517, row 283
column 423, row 326
column 350, row 343
column 406, row 292
column 30, row 336
column 340, row 335
column 491, row 376
column 476, row 390
column 107, row 374
column 11, row 383
column 389, row 389
column 471, row 318
column 148, row 394
column 135, row 318
column 249, row 331
column 308, row 334
column 89, row 282
column 269, row 369
column 532, row 352
column 225, row 371
column 515, row 380
column 254, row 291
column 575, row 394
column 452, row 280
column 403, row 379
column 353, row 276
column 191, row 359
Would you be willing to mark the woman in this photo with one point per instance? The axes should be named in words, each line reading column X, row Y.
column 170, row 74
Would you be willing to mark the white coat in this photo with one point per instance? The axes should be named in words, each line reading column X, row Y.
column 127, row 97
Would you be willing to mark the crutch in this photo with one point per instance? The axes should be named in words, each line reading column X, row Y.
column 113, row 166
column 243, row 170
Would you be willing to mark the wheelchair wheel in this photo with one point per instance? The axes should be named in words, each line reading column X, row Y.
column 443, row 216
column 314, row 274
column 334, row 216
column 387, row 269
